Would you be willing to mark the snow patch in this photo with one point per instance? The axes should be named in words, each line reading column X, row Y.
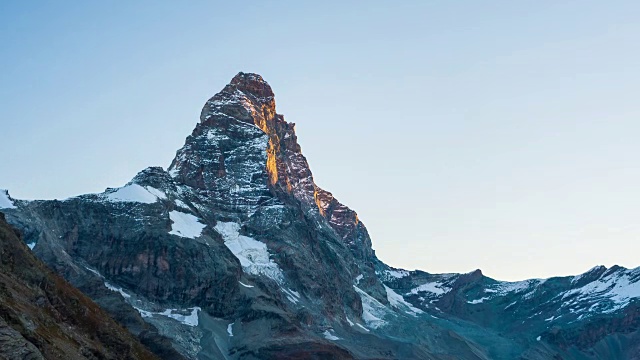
column 245, row 285
column 95, row 272
column 349, row 321
column 181, row 204
column 185, row 225
column 31, row 245
column 527, row 288
column 292, row 296
column 144, row 313
column 157, row 193
column 478, row 301
column 510, row 305
column 505, row 287
column 230, row 329
column 136, row 193
column 437, row 288
column 399, row 274
column 329, row 336
column 117, row 289
column 253, row 254
column 189, row 320
column 358, row 278
column 5, row 200
column 373, row 311
column 397, row 301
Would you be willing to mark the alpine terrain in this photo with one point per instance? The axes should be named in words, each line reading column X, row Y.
column 42, row 316
column 233, row 252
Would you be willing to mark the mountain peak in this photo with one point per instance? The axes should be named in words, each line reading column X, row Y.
column 247, row 166
column 244, row 98
column 236, row 233
column 252, row 84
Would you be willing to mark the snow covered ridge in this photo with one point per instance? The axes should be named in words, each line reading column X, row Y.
column 598, row 291
column 526, row 288
column 392, row 274
column 185, row 225
column 595, row 292
column 590, row 272
column 135, row 193
column 253, row 254
column 399, row 274
column 436, row 288
column 613, row 290
column 5, row 200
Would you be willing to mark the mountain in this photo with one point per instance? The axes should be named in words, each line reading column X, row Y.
column 43, row 317
column 234, row 252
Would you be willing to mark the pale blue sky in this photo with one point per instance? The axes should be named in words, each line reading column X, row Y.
column 501, row 135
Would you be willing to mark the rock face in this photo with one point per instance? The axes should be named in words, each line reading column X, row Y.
column 235, row 253
column 43, row 317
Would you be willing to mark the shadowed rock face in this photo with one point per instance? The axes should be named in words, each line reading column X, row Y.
column 235, row 252
column 43, row 317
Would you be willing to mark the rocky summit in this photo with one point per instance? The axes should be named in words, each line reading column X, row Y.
column 234, row 252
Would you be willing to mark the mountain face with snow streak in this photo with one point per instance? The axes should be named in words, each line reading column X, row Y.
column 234, row 252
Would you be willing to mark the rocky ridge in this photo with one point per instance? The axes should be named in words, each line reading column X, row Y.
column 235, row 252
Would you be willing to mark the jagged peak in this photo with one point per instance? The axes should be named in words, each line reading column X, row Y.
column 204, row 160
column 246, row 91
column 252, row 84
column 154, row 176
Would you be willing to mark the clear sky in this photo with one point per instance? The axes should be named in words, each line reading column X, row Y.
column 501, row 135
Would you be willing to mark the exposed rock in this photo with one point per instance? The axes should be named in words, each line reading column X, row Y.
column 235, row 252
column 43, row 317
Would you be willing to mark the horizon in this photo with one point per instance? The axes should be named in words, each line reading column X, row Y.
column 516, row 158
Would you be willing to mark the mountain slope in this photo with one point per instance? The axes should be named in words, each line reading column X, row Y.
column 42, row 316
column 235, row 252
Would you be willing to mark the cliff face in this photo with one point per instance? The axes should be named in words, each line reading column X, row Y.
column 221, row 139
column 43, row 317
column 235, row 252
